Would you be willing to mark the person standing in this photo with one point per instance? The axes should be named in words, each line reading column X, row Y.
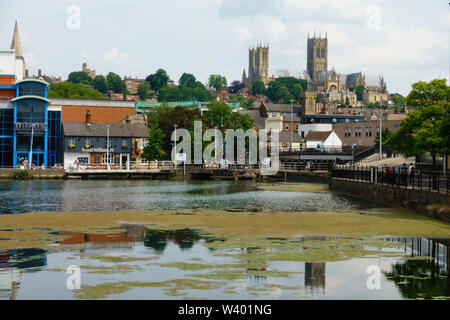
column 411, row 173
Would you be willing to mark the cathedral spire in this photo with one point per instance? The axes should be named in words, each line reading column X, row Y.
column 15, row 43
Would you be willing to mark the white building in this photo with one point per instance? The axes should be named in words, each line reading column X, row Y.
column 323, row 140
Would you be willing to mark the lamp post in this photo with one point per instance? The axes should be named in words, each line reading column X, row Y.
column 353, row 154
column 292, row 114
column 381, row 132
column 175, row 145
column 107, row 148
column 30, row 156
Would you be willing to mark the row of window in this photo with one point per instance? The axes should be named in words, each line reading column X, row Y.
column 358, row 130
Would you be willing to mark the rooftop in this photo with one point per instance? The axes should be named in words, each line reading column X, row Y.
column 125, row 130
column 317, row 135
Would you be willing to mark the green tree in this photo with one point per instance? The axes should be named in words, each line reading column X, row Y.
column 428, row 93
column 258, row 87
column 220, row 115
column 79, row 77
column 423, row 131
column 297, row 91
column 290, row 83
column 100, row 84
column 167, row 94
column 187, row 80
column 143, row 90
column 284, row 95
column 359, row 90
column 158, row 80
column 217, row 82
column 71, row 90
column 347, row 102
column 236, row 86
column 115, row 83
column 397, row 99
column 154, row 149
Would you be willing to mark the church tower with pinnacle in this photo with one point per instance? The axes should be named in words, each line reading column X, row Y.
column 317, row 59
column 258, row 66
column 17, row 47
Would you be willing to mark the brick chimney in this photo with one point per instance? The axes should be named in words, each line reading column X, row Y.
column 26, row 73
column 39, row 73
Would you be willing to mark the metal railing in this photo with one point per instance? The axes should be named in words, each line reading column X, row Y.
column 396, row 177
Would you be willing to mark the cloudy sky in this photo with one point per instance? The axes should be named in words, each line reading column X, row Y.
column 405, row 41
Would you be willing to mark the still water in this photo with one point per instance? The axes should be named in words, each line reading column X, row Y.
column 91, row 195
column 138, row 263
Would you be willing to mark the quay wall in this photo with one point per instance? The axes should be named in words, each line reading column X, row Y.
column 431, row 203
column 34, row 174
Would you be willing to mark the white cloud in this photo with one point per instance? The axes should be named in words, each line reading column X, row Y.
column 33, row 60
column 84, row 55
column 242, row 33
column 113, row 56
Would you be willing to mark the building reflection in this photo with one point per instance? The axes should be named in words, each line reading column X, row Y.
column 315, row 278
column 13, row 263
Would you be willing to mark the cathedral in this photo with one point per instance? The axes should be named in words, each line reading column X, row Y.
column 337, row 87
column 334, row 87
column 258, row 66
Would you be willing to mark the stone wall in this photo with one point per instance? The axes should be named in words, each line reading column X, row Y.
column 34, row 174
column 431, row 203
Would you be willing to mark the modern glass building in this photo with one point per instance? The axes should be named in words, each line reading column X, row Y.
column 29, row 130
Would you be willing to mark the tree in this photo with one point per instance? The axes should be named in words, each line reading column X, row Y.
column 258, row 87
column 236, row 86
column 347, row 102
column 100, row 84
column 297, row 91
column 158, row 80
column 217, row 82
column 79, row 77
column 115, row 83
column 187, row 80
column 284, row 95
column 143, row 90
column 423, row 131
column 359, row 91
column 220, row 115
column 288, row 82
column 154, row 149
column 397, row 99
column 71, row 90
column 428, row 93
column 167, row 94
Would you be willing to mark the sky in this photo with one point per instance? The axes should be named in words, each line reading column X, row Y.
column 405, row 41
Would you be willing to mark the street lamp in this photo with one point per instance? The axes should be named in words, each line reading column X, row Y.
column 381, row 131
column 175, row 145
column 292, row 114
column 353, row 154
column 107, row 148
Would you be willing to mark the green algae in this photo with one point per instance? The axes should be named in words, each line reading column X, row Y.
column 116, row 259
column 119, row 268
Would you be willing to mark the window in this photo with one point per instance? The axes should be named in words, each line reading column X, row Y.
column 349, row 132
column 367, row 131
column 287, row 126
column 370, row 131
column 378, row 131
column 87, row 141
column 144, row 142
column 346, row 132
column 97, row 160
column 106, row 159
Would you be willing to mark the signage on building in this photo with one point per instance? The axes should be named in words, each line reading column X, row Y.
column 97, row 150
column 36, row 127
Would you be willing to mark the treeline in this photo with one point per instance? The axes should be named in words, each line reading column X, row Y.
column 162, row 121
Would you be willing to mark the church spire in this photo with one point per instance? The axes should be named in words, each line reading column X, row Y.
column 15, row 43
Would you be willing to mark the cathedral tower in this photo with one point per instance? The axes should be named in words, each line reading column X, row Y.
column 258, row 66
column 317, row 60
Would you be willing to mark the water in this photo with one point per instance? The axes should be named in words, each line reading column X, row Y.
column 94, row 195
column 35, row 274
column 134, row 262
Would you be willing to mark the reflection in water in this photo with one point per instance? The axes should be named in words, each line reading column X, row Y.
column 414, row 277
column 315, row 278
column 13, row 263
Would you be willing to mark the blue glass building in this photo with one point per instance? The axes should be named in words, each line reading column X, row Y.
column 28, row 129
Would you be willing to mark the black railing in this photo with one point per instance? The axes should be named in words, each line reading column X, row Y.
column 417, row 179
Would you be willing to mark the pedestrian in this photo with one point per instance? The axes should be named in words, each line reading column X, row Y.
column 411, row 173
column 404, row 175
